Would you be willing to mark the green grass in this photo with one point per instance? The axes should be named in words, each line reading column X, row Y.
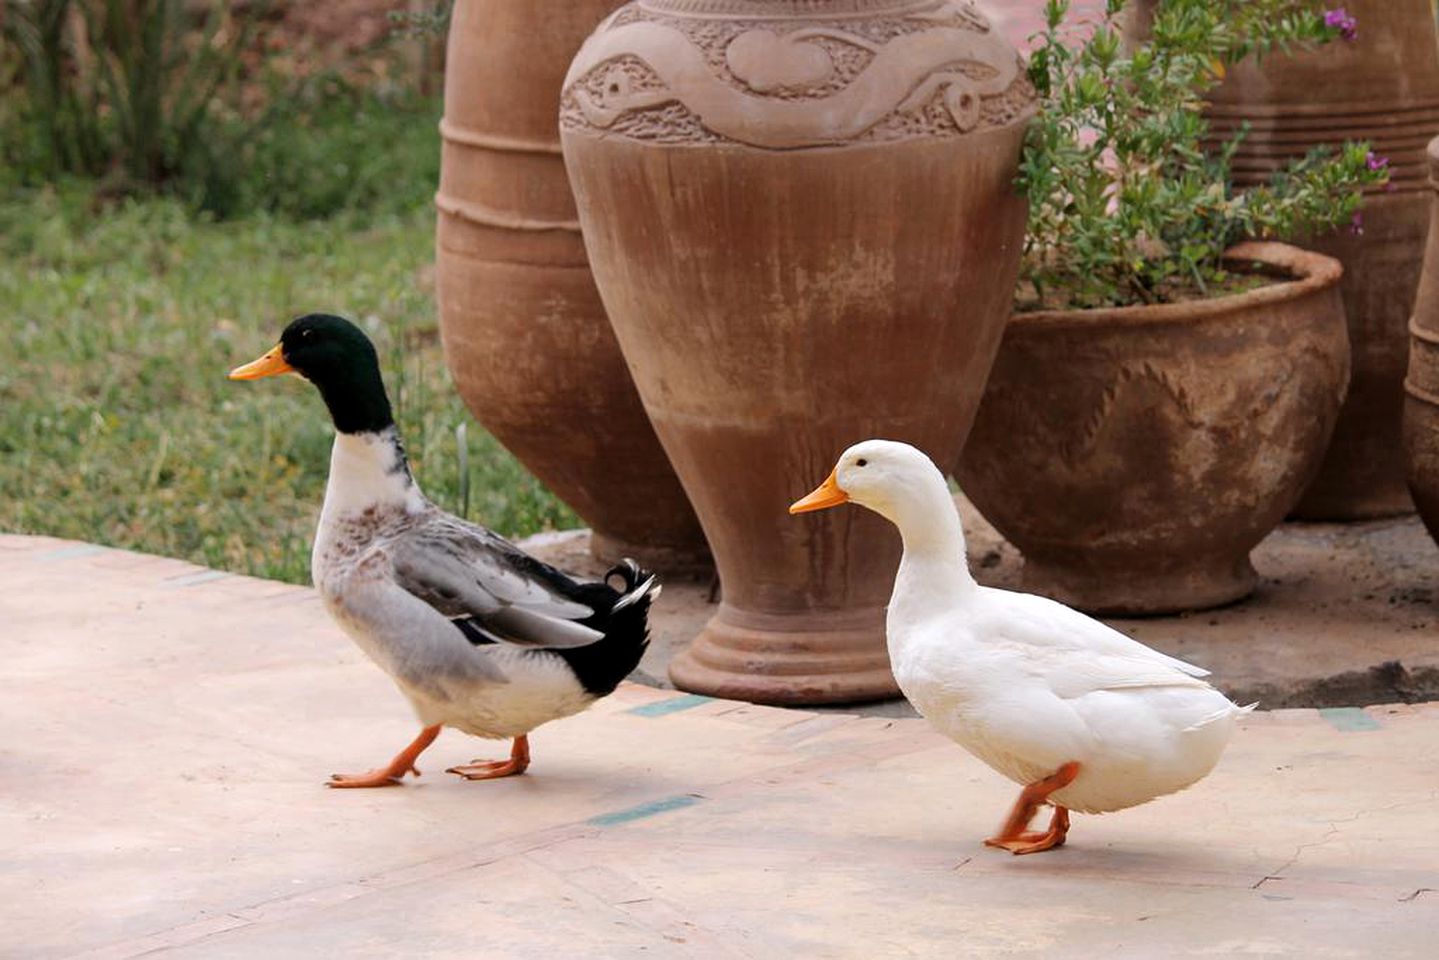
column 118, row 426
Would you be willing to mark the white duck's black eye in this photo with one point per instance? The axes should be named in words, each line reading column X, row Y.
column 861, row 462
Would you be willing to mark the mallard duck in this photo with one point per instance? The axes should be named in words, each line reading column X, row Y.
column 1084, row 717
column 477, row 634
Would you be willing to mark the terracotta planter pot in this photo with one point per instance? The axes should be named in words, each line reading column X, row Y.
column 1136, row 455
column 524, row 331
column 1383, row 87
column 1421, row 405
column 801, row 217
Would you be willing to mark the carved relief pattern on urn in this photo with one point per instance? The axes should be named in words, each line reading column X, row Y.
column 679, row 71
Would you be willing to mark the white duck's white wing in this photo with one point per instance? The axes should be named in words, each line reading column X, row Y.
column 468, row 574
column 1076, row 654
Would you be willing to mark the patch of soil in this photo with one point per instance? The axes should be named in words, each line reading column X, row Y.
column 1177, row 290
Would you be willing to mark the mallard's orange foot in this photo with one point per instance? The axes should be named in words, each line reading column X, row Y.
column 494, row 769
column 375, row 778
column 389, row 776
column 488, row 769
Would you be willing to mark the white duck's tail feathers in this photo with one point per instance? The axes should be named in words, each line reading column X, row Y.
column 1230, row 710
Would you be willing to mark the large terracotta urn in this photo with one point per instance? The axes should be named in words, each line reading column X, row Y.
column 801, row 217
column 524, row 331
column 1135, row 455
column 1421, row 404
column 1382, row 86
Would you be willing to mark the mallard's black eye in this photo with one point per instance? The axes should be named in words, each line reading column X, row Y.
column 861, row 462
column 306, row 334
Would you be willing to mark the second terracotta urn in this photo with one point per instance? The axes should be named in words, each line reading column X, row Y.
column 524, row 331
column 801, row 219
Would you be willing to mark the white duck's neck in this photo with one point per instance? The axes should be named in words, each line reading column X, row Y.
column 369, row 470
column 934, row 571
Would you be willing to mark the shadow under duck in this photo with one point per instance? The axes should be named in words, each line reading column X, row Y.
column 478, row 635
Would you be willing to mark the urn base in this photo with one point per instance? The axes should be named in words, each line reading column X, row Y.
column 1363, row 473
column 1141, row 588
column 690, row 561
column 790, row 660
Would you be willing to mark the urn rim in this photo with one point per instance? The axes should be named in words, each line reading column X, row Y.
column 1309, row 273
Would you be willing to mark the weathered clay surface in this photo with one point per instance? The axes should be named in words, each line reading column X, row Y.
column 803, row 239
column 1421, row 405
column 1382, row 87
column 525, row 334
column 1136, row 455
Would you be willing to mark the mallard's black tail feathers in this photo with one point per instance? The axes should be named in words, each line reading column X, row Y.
column 601, row 665
column 639, row 584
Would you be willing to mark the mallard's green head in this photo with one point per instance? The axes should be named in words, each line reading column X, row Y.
column 337, row 357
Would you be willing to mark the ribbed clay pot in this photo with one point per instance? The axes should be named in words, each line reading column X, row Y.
column 1136, row 455
column 801, row 217
column 1382, row 87
column 525, row 333
column 1421, row 404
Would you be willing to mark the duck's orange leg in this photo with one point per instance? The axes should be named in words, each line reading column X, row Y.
column 1014, row 836
column 390, row 776
column 494, row 769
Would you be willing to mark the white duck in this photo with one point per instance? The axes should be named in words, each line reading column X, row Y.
column 1084, row 717
column 478, row 635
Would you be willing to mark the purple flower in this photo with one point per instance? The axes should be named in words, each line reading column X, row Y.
column 1343, row 21
column 1373, row 161
column 1356, row 225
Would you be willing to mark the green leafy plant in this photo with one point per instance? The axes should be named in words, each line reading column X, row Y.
column 155, row 97
column 1126, row 206
column 326, row 147
column 431, row 20
column 120, row 89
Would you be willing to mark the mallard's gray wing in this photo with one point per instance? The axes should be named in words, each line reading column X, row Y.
column 466, row 572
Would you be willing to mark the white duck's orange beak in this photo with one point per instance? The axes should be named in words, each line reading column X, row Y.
column 270, row 365
column 827, row 494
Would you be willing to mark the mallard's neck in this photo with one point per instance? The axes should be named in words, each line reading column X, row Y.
column 355, row 395
column 369, row 469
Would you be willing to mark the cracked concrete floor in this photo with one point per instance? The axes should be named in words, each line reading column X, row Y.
column 169, row 728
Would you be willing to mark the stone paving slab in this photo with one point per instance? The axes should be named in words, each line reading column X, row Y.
column 168, row 734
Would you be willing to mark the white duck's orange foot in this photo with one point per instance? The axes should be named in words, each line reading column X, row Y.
column 494, row 769
column 1014, row 836
column 1033, row 841
column 1025, row 839
column 1029, row 842
column 389, row 776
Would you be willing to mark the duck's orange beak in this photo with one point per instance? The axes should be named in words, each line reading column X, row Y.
column 270, row 365
column 827, row 494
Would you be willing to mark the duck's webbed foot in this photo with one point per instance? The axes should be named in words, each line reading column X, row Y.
column 494, row 769
column 1033, row 841
column 389, row 776
column 1014, row 836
